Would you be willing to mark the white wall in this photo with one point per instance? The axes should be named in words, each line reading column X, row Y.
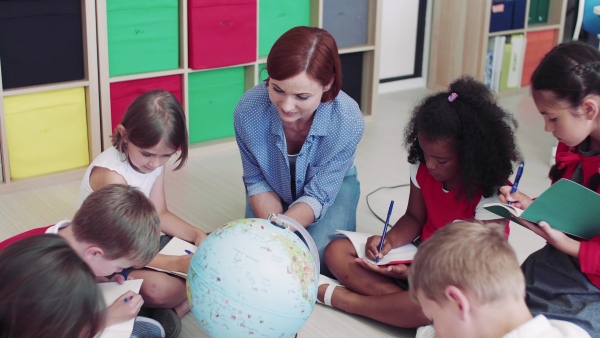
column 398, row 44
column 398, row 38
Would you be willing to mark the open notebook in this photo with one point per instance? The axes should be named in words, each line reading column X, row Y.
column 176, row 247
column 400, row 255
column 566, row 206
column 111, row 291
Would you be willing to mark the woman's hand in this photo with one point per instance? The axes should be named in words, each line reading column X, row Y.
column 124, row 308
column 398, row 271
column 556, row 238
column 518, row 199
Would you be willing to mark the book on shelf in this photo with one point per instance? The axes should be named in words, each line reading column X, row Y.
column 401, row 255
column 505, row 70
column 567, row 206
column 176, row 247
column 496, row 47
column 516, row 61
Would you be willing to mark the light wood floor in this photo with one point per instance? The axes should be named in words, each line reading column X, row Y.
column 208, row 192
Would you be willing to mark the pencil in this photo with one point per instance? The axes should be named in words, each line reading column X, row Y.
column 387, row 221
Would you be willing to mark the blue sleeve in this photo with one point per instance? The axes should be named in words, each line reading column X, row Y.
column 336, row 155
column 254, row 180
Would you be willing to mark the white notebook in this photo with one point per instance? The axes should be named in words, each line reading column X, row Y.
column 111, row 291
column 176, row 247
column 399, row 255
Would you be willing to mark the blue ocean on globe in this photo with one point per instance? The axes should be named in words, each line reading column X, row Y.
column 252, row 279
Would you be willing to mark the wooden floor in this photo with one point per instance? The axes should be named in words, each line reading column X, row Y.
column 208, row 192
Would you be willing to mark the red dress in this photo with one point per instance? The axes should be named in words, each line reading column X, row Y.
column 443, row 207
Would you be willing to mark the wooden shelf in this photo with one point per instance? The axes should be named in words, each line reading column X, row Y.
column 97, row 81
column 459, row 38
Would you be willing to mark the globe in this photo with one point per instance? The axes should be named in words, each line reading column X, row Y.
column 251, row 278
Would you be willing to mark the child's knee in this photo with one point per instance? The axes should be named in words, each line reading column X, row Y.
column 162, row 290
column 337, row 248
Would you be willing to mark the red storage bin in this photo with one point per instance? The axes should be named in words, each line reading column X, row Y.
column 123, row 93
column 538, row 44
column 221, row 33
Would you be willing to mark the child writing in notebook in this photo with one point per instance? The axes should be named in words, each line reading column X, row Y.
column 115, row 228
column 461, row 149
column 467, row 280
column 47, row 290
column 563, row 278
column 153, row 129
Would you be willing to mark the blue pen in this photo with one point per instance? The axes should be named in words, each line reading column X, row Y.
column 126, row 299
column 188, row 252
column 125, row 273
column 387, row 221
column 517, row 179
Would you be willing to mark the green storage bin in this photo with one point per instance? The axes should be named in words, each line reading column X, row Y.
column 213, row 96
column 262, row 72
column 143, row 36
column 275, row 17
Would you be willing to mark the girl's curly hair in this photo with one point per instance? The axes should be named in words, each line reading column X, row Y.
column 480, row 129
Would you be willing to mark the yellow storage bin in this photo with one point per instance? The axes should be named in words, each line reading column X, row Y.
column 46, row 132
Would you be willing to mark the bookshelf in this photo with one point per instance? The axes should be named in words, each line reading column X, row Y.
column 212, row 51
column 460, row 37
column 49, row 97
column 87, row 60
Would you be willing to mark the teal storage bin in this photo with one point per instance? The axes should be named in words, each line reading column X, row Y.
column 143, row 36
column 213, row 95
column 262, row 72
column 275, row 17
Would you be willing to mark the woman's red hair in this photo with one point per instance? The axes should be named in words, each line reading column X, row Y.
column 311, row 50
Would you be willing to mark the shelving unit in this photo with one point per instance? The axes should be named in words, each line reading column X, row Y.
column 209, row 95
column 50, row 130
column 460, row 34
column 49, row 114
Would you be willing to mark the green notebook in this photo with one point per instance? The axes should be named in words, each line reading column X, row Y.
column 566, row 206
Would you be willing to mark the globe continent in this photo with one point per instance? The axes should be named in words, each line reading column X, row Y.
column 252, row 279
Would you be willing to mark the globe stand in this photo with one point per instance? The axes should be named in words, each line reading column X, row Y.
column 286, row 222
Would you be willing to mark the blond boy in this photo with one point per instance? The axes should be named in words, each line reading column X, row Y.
column 115, row 228
column 468, row 281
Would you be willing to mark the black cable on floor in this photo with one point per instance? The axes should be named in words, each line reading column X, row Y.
column 376, row 190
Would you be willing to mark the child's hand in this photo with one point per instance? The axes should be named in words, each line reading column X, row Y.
column 119, row 278
column 518, row 199
column 372, row 247
column 183, row 263
column 399, row 271
column 124, row 308
column 556, row 238
column 200, row 237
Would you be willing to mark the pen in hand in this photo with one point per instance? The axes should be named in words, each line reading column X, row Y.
column 517, row 179
column 387, row 221
column 188, row 252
